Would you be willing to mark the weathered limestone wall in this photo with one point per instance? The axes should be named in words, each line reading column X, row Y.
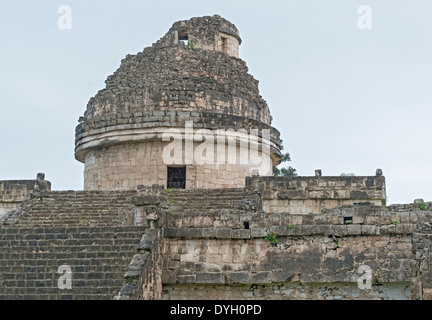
column 177, row 78
column 125, row 166
column 14, row 192
column 304, row 195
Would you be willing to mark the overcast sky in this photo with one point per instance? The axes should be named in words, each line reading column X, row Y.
column 345, row 100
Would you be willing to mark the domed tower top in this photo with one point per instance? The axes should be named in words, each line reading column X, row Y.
column 192, row 74
column 208, row 33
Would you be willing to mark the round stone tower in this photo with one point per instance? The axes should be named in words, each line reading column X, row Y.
column 184, row 113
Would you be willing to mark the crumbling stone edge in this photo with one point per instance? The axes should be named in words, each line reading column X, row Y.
column 142, row 279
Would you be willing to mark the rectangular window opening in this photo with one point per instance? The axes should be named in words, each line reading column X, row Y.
column 183, row 37
column 348, row 220
column 176, row 178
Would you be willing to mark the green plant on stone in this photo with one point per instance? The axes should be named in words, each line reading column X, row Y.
column 191, row 45
column 422, row 206
column 272, row 238
column 349, row 222
column 169, row 190
column 324, row 211
column 291, row 226
column 394, row 223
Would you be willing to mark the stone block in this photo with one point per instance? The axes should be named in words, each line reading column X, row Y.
column 353, row 229
column 372, row 220
column 358, row 220
column 292, row 194
column 258, row 232
column 209, row 232
column 385, row 218
column 388, row 229
column 145, row 200
column 186, row 279
column 261, row 277
column 210, row 278
column 223, row 233
column 238, row 278
column 297, row 220
column 241, row 234
column 168, row 277
column 268, row 195
column 370, row 230
column 323, row 230
column 189, row 233
column 404, row 228
column 404, row 217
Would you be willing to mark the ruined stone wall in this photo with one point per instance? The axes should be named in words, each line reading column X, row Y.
column 225, row 255
column 181, row 79
column 286, row 291
column 304, row 195
column 14, row 192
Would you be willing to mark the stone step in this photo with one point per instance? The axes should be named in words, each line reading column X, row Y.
column 71, row 251
column 79, row 243
column 73, row 230
column 63, row 255
column 107, row 290
column 74, row 263
column 44, row 271
column 67, row 223
column 77, row 208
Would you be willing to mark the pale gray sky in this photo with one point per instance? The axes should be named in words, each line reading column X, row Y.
column 345, row 100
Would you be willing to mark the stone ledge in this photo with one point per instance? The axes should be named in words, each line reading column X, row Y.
column 290, row 231
column 234, row 219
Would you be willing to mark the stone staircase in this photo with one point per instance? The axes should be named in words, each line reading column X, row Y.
column 82, row 230
column 78, row 208
column 188, row 201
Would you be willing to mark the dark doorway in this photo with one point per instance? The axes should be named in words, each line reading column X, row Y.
column 176, row 178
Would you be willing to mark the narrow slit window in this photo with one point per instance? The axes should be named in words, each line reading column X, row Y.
column 224, row 45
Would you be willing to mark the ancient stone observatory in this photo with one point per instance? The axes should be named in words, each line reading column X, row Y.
column 184, row 113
